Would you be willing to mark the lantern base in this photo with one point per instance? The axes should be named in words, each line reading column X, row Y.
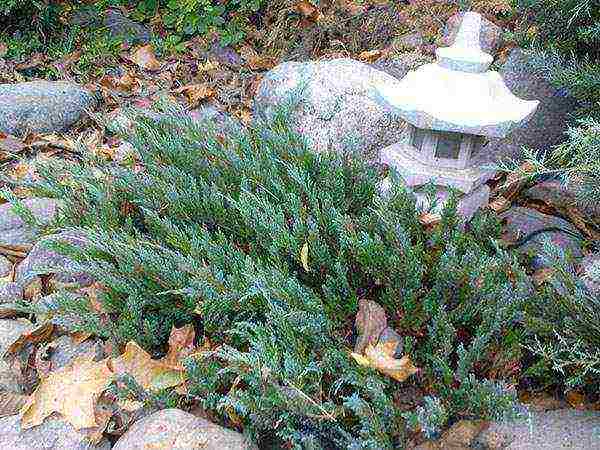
column 416, row 173
column 467, row 206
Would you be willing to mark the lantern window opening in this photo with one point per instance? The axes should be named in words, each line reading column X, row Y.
column 448, row 145
column 418, row 137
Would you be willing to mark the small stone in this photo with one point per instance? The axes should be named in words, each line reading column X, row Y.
column 128, row 30
column 66, row 350
column 53, row 434
column 335, row 109
column 10, row 331
column 42, row 259
column 551, row 430
column 9, row 293
column 14, row 231
column 521, row 222
column 399, row 65
column 490, row 38
column 42, row 106
column 177, row 430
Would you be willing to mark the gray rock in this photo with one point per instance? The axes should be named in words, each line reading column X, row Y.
column 9, row 293
column 399, row 65
column 178, row 430
column 490, row 39
column 10, row 381
column 337, row 110
column 14, row 231
column 66, row 350
column 590, row 266
column 53, row 434
column 550, row 430
column 520, row 222
column 410, row 41
column 43, row 260
column 42, row 106
column 5, row 266
column 85, row 16
column 548, row 125
column 126, row 29
column 10, row 331
column 561, row 196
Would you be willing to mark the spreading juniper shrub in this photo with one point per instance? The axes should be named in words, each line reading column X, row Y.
column 210, row 229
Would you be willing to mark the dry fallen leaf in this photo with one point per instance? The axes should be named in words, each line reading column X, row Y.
column 430, row 219
column 541, row 401
column 145, row 58
column 71, row 391
column 123, row 85
column 542, row 275
column 308, row 10
column 181, row 345
column 381, row 358
column 39, row 334
column 370, row 323
column 575, row 398
column 499, row 205
column 370, row 56
column 256, row 62
column 195, row 93
column 35, row 60
column 149, row 373
column 11, row 144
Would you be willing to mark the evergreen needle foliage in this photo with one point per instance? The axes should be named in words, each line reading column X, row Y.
column 210, row 232
column 576, row 163
column 566, row 322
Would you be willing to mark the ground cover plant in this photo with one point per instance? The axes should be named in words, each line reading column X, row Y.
column 283, row 261
column 267, row 248
column 562, row 37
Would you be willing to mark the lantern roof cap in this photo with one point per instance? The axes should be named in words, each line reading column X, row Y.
column 458, row 92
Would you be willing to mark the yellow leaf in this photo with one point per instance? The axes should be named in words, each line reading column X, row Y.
column 304, row 257
column 71, row 391
column 149, row 373
column 381, row 357
column 361, row 360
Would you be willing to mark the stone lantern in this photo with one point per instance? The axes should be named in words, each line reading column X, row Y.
column 451, row 107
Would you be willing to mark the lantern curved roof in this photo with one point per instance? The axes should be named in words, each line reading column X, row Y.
column 458, row 93
column 436, row 98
